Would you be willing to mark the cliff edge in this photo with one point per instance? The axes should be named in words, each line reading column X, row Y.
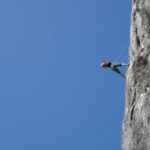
column 136, row 124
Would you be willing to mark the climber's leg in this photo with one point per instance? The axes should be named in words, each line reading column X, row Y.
column 118, row 71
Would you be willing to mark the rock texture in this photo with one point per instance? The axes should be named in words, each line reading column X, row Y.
column 136, row 125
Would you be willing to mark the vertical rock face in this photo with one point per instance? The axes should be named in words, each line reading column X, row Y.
column 136, row 125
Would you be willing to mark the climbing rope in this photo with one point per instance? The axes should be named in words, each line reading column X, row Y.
column 122, row 52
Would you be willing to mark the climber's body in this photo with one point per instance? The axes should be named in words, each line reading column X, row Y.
column 114, row 67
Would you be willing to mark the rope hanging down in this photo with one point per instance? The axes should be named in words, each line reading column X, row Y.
column 122, row 52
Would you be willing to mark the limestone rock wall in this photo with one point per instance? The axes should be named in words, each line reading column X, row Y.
column 136, row 125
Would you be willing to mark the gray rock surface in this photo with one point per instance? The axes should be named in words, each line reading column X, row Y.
column 136, row 125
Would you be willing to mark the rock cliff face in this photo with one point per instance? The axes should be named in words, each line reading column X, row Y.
column 136, row 125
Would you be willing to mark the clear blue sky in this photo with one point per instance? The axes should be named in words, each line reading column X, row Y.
column 53, row 95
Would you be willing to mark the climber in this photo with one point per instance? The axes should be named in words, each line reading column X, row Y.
column 113, row 66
